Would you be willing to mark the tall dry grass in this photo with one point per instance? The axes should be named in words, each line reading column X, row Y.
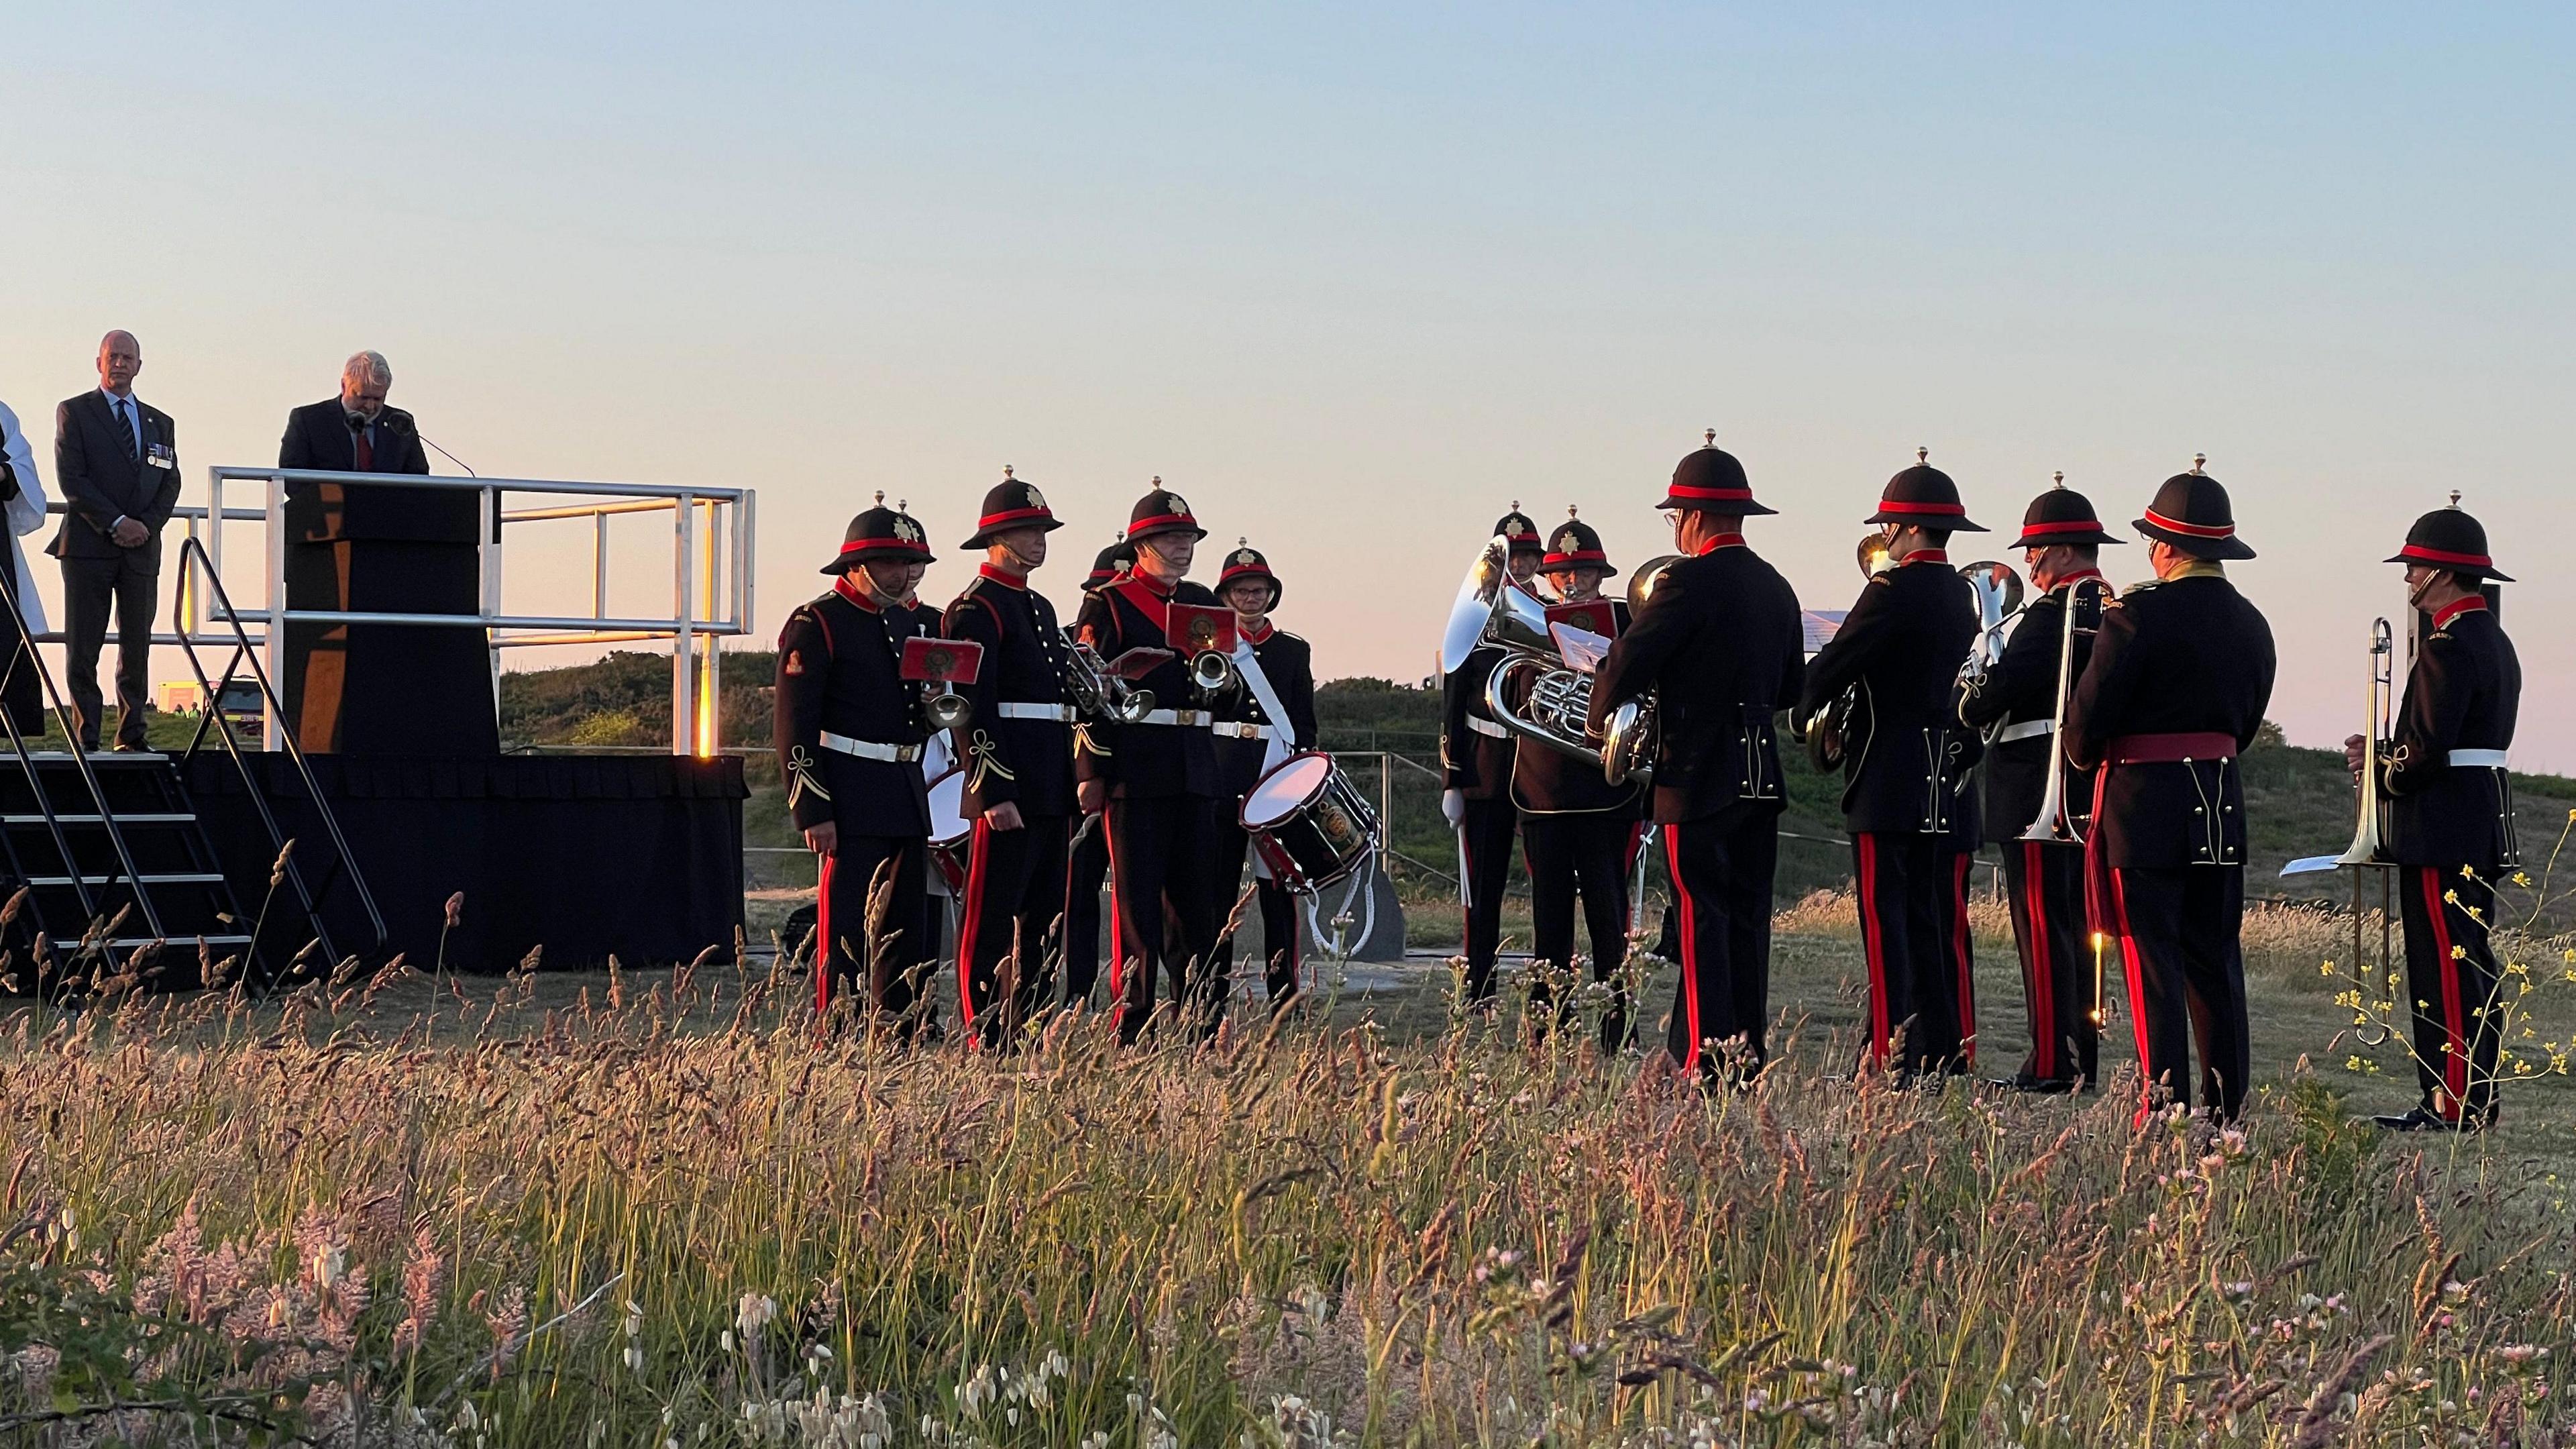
column 1311, row 1237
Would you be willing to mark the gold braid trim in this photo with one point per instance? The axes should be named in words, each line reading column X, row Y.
column 800, row 778
column 1082, row 741
column 985, row 764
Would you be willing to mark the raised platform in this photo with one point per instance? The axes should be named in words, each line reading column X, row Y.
column 639, row 855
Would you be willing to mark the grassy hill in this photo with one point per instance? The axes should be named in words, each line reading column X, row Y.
column 2298, row 801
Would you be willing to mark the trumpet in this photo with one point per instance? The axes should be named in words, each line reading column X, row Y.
column 2377, row 726
column 945, row 710
column 1213, row 675
column 2053, row 823
column 1096, row 692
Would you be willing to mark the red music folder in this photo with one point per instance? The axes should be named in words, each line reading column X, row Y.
column 1592, row 616
column 1198, row 628
column 942, row 661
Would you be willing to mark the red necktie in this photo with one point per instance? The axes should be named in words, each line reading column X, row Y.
column 366, row 452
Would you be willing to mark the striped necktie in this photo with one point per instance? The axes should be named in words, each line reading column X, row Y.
column 125, row 431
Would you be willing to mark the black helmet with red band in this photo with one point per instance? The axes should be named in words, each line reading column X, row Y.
column 879, row 535
column 1161, row 511
column 1575, row 545
column 1710, row 478
column 2061, row 516
column 1519, row 530
column 1011, row 503
column 1114, row 560
column 1924, row 497
column 1246, row 562
column 2191, row 513
column 2448, row 538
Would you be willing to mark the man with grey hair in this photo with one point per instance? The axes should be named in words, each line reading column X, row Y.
column 356, row 548
column 117, row 459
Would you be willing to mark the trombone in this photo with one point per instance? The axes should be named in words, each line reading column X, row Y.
column 2371, row 830
column 2053, row 825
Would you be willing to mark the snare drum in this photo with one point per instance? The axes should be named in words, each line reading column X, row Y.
column 950, row 830
column 1311, row 824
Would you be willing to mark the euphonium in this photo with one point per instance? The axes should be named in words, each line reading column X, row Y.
column 1556, row 701
column 2053, row 823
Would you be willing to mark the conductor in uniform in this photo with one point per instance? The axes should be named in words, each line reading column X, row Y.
column 1476, row 761
column 1271, row 717
column 1576, row 827
column 1017, row 751
column 2017, row 700
column 1720, row 647
column 1155, row 779
column 850, row 732
column 1087, row 863
column 1904, row 775
column 2175, row 691
column 2450, row 818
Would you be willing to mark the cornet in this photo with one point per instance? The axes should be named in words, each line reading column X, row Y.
column 2053, row 824
column 1212, row 675
column 1096, row 692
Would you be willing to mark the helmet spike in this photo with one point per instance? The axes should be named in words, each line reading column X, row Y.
column 1569, row 510
column 1922, row 456
column 1708, row 438
column 2455, row 498
column 903, row 505
column 1516, row 505
column 880, row 498
column 1242, row 541
column 1158, row 480
column 2060, row 478
column 1006, row 472
column 2199, row 461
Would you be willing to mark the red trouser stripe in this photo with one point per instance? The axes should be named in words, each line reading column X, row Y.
column 1690, row 942
column 1870, row 947
column 2137, row 992
column 1963, row 956
column 970, row 912
column 2043, row 970
column 823, row 937
column 2455, row 1062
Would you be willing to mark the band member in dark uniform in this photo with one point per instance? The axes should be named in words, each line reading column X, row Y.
column 1720, row 647
column 1017, row 751
column 1476, row 755
column 850, row 731
column 2450, row 818
column 2017, row 701
column 2175, row 690
column 1087, row 866
column 1278, row 671
column 1903, row 793
column 1155, row 780
column 1576, row 827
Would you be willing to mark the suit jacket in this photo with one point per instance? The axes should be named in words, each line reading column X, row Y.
column 839, row 669
column 1721, row 645
column 101, row 483
column 1902, row 644
column 1028, row 762
column 1552, row 782
column 1145, row 761
column 318, row 437
column 1289, row 664
column 2186, row 656
column 2022, row 689
column 2462, row 694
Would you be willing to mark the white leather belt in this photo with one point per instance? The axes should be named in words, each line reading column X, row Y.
column 2478, row 759
column 1173, row 717
column 1487, row 728
column 870, row 749
column 1230, row 730
column 2029, row 729
column 1061, row 712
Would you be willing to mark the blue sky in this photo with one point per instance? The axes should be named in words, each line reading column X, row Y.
column 1354, row 280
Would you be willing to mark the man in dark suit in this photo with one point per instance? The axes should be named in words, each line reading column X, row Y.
column 381, row 688
column 118, row 460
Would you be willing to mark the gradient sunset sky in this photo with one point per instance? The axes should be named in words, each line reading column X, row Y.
column 1353, row 280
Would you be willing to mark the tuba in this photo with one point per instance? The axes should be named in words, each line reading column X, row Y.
column 2053, row 823
column 2377, row 726
column 1556, row 705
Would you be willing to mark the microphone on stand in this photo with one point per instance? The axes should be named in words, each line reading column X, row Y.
column 451, row 457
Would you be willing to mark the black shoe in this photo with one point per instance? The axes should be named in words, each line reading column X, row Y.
column 2422, row 1119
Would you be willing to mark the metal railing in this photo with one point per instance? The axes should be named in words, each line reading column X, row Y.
column 712, row 562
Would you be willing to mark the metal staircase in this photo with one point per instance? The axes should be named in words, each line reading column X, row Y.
column 109, row 872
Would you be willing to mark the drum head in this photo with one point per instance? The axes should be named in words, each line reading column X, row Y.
column 948, row 822
column 1280, row 792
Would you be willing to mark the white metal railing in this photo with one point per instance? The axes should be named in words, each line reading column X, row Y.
column 712, row 566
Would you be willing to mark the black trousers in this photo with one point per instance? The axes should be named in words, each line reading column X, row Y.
column 1161, row 854
column 892, row 954
column 1013, row 901
column 1485, row 839
column 1277, row 908
column 90, row 585
column 2045, row 884
column 1722, row 867
column 2177, row 927
column 1914, row 933
column 1586, row 855
column 2451, row 975
column 1086, row 868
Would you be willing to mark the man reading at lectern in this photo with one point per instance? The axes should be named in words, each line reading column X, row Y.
column 376, row 688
